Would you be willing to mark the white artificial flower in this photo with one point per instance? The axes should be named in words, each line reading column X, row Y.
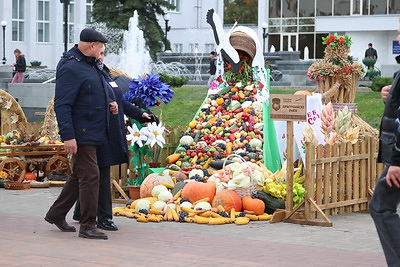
column 155, row 134
column 136, row 136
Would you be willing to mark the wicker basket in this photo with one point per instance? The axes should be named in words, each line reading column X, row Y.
column 36, row 184
column 243, row 191
column 242, row 41
column 13, row 185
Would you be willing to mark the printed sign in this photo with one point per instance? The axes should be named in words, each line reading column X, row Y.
column 396, row 47
column 288, row 107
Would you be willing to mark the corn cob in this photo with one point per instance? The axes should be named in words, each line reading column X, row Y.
column 154, row 211
column 154, row 218
column 216, row 215
column 188, row 210
column 220, row 208
column 233, row 214
column 141, row 219
column 264, row 217
column 217, row 221
column 252, row 217
column 130, row 214
column 175, row 215
column 167, row 185
column 242, row 220
column 206, row 214
column 206, row 199
column 177, row 195
column 200, row 220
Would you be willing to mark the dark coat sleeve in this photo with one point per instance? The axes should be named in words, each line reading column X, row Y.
column 131, row 110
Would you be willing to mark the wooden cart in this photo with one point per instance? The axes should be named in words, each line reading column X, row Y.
column 42, row 158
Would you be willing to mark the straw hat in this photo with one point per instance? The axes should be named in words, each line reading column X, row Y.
column 242, row 41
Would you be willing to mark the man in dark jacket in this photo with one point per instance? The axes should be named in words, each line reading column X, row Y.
column 82, row 105
column 386, row 198
column 114, row 153
column 371, row 52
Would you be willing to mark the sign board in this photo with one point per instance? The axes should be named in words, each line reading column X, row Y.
column 396, row 48
column 288, row 107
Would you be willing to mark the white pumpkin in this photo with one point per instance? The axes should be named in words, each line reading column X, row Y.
column 158, row 189
column 165, row 196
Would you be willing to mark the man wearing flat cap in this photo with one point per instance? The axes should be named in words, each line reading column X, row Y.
column 82, row 105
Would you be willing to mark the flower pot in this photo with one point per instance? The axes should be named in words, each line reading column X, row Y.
column 134, row 191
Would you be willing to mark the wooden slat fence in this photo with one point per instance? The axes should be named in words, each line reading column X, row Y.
column 340, row 178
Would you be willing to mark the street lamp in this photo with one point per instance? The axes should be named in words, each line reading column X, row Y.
column 4, row 24
column 167, row 29
column 264, row 26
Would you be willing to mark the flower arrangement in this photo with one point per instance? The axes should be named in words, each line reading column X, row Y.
column 334, row 40
column 148, row 88
column 140, row 138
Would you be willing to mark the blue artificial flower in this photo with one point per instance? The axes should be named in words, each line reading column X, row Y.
column 147, row 90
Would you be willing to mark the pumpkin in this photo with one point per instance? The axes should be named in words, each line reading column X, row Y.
column 152, row 180
column 30, row 176
column 194, row 190
column 253, row 204
column 228, row 199
column 179, row 176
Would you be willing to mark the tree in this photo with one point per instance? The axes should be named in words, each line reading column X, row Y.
column 116, row 14
column 247, row 10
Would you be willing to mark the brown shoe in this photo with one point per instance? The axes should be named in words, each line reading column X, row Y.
column 92, row 233
column 61, row 224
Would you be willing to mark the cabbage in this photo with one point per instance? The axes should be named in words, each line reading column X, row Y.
column 257, row 105
column 186, row 140
column 255, row 143
column 194, row 172
column 159, row 205
column 202, row 206
column 165, row 196
column 142, row 204
column 157, row 190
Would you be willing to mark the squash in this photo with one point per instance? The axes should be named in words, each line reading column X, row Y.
column 133, row 203
column 180, row 176
column 177, row 187
column 271, row 203
column 30, row 176
column 173, row 158
column 152, row 180
column 194, row 190
column 253, row 204
column 228, row 199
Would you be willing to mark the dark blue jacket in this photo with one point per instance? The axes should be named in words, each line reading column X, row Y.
column 116, row 151
column 81, row 99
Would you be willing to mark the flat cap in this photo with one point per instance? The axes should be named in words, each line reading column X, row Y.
column 90, row 35
column 370, row 44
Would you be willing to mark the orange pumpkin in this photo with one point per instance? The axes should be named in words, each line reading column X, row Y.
column 194, row 190
column 228, row 199
column 30, row 176
column 253, row 204
column 179, row 176
column 152, row 180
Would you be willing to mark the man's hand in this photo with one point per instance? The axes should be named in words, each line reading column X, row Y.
column 385, row 91
column 70, row 146
column 145, row 115
column 113, row 107
column 393, row 176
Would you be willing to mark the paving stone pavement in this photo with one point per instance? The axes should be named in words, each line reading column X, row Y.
column 26, row 239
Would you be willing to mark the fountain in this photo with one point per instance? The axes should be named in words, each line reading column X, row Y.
column 134, row 57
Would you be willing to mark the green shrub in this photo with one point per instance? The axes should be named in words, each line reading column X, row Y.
column 379, row 82
column 35, row 63
column 173, row 81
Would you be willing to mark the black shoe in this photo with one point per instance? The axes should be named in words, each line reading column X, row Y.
column 76, row 218
column 61, row 224
column 107, row 225
column 92, row 233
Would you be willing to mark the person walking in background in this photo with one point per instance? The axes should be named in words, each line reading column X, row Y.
column 115, row 152
column 20, row 66
column 386, row 198
column 371, row 52
column 82, row 105
column 213, row 66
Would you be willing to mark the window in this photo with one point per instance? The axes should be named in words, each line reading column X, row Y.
column 356, row 7
column 377, row 8
column 193, row 48
column 209, row 47
column 71, row 19
column 177, row 4
column 306, row 8
column 89, row 9
column 43, row 21
column 274, row 8
column 324, row 8
column 289, row 8
column 394, row 7
column 177, row 48
column 18, row 16
column 342, row 7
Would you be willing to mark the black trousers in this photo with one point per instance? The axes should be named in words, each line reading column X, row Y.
column 83, row 183
column 104, row 207
column 383, row 209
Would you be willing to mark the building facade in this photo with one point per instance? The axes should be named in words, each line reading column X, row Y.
column 36, row 26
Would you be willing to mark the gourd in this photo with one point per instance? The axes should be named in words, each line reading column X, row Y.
column 196, row 171
column 253, row 204
column 186, row 204
column 177, row 187
column 179, row 176
column 173, row 158
column 158, row 189
column 202, row 206
column 159, row 205
column 165, row 196
column 228, row 199
column 252, row 155
column 151, row 199
column 30, row 176
column 186, row 140
column 142, row 204
column 271, row 203
column 198, row 190
column 152, row 180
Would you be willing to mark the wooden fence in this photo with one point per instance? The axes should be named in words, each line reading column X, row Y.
column 339, row 179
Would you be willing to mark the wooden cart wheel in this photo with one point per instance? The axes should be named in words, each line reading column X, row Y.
column 58, row 164
column 14, row 167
